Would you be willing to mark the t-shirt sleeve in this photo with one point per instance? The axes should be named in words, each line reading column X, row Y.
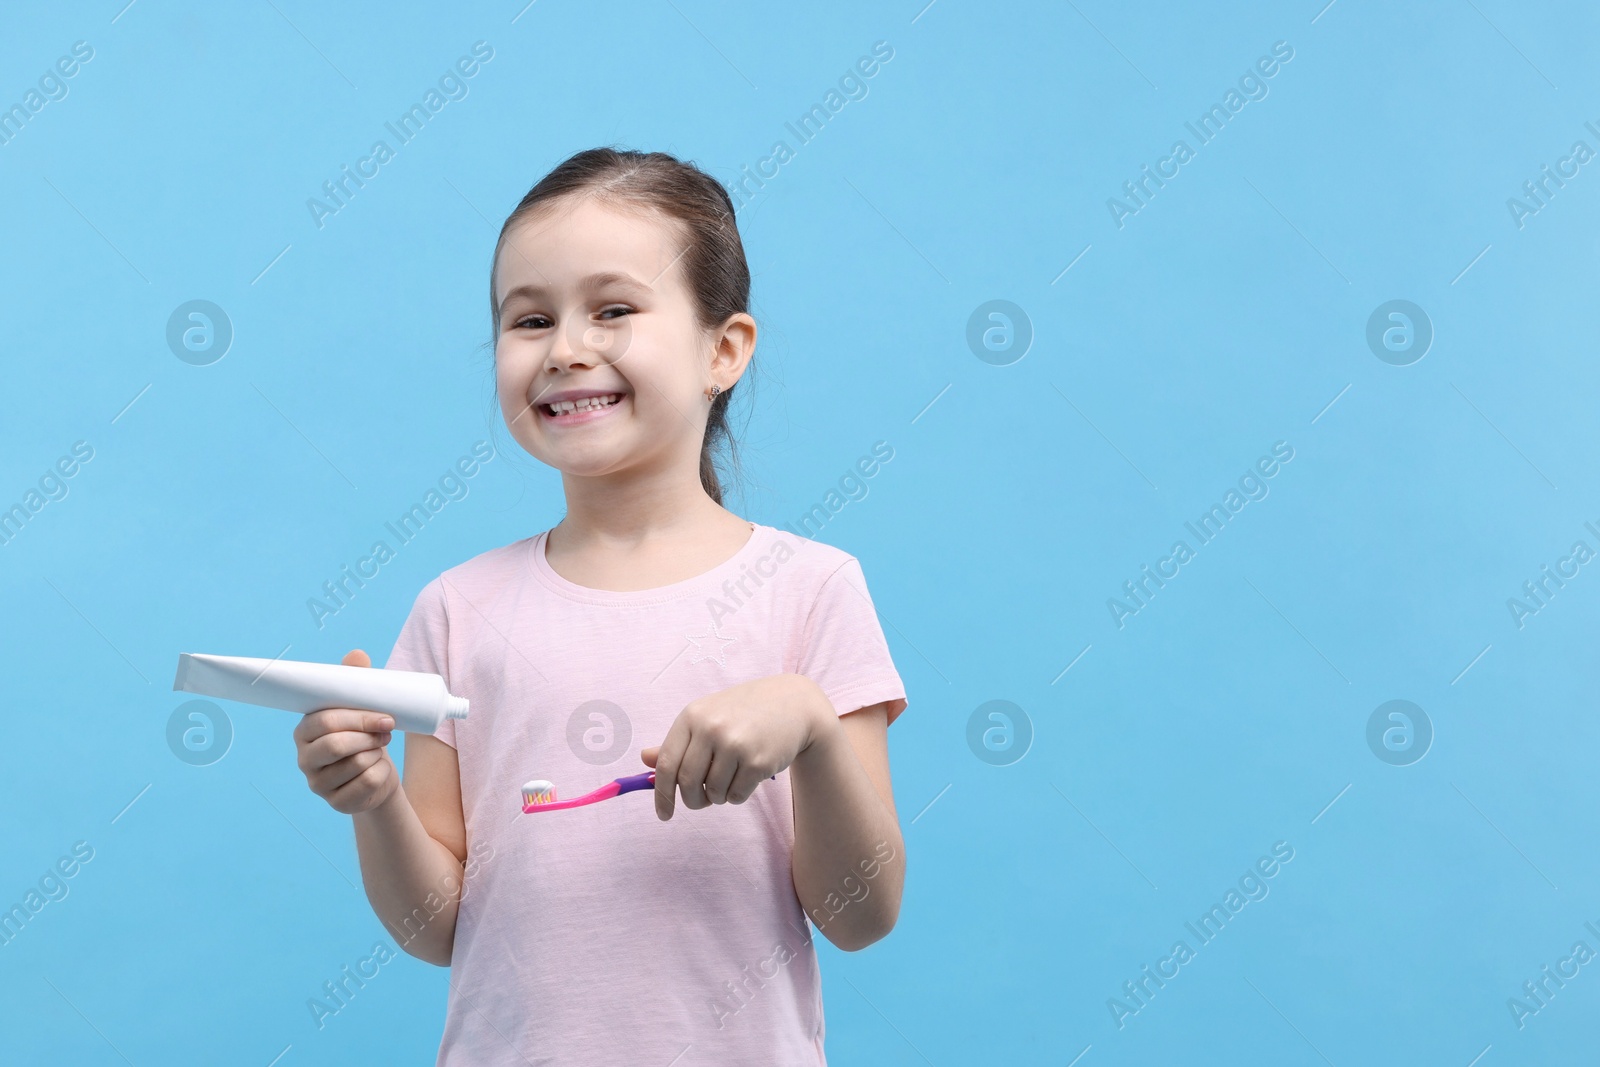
column 423, row 646
column 844, row 650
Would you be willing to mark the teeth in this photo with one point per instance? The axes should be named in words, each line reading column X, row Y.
column 588, row 403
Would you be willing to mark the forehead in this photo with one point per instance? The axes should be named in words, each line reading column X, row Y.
column 575, row 237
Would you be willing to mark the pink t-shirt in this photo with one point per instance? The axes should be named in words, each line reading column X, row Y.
column 601, row 934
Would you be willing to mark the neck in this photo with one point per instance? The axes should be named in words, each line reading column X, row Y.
column 633, row 507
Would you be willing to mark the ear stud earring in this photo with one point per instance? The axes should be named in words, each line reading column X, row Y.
column 715, row 389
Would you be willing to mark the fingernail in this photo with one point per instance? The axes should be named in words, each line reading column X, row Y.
column 386, row 723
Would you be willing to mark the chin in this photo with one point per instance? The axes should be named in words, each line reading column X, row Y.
column 583, row 463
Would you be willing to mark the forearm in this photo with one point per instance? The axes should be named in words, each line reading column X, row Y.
column 412, row 881
column 849, row 856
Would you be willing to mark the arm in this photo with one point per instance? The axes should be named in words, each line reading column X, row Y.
column 849, row 855
column 413, row 851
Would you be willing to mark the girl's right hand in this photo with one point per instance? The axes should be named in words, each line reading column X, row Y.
column 341, row 752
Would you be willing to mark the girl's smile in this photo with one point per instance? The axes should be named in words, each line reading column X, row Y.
column 580, row 408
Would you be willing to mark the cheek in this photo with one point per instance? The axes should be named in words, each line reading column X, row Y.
column 511, row 409
column 512, row 381
column 514, row 364
column 666, row 374
column 505, row 374
column 505, row 387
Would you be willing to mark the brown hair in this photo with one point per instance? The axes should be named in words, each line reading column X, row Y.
column 714, row 263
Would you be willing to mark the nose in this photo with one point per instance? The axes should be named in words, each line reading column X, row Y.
column 572, row 347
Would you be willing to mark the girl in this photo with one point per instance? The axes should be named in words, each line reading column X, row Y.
column 743, row 663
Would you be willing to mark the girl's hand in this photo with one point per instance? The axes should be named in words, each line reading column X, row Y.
column 341, row 751
column 724, row 745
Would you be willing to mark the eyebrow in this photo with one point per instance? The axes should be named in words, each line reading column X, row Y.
column 600, row 280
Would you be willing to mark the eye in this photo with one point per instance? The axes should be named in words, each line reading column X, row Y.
column 540, row 322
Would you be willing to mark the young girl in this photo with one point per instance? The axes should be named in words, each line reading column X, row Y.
column 650, row 627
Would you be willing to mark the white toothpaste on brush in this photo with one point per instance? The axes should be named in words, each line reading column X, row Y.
column 418, row 702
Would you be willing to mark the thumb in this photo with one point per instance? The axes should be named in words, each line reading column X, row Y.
column 649, row 755
column 356, row 658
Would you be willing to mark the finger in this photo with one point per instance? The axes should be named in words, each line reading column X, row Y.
column 356, row 658
column 341, row 772
column 668, row 756
column 366, row 779
column 330, row 778
column 332, row 720
column 692, row 771
column 331, row 748
column 744, row 783
column 724, row 766
column 649, row 755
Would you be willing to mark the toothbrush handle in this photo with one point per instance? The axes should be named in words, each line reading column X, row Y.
column 647, row 780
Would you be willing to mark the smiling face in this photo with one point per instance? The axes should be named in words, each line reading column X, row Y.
column 600, row 364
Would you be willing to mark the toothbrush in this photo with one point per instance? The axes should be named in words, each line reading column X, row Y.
column 540, row 795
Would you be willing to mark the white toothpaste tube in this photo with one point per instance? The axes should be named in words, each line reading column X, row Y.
column 418, row 702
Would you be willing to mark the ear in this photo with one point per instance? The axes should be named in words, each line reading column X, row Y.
column 733, row 344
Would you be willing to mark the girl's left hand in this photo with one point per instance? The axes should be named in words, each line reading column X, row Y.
column 723, row 745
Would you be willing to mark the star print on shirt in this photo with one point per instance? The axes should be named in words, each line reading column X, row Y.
column 709, row 645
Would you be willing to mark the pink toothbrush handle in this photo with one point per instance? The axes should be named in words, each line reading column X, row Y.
column 605, row 792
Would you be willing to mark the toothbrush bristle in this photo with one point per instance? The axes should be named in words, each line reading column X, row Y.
column 538, row 791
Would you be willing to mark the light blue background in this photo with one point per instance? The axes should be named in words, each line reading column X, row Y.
column 1223, row 317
